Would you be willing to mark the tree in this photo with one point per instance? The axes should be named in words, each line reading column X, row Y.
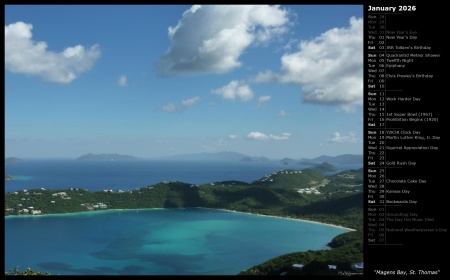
column 26, row 272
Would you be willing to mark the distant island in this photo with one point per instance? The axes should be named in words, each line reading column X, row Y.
column 288, row 161
column 234, row 156
column 13, row 160
column 220, row 156
column 341, row 159
column 323, row 167
column 248, row 158
column 107, row 157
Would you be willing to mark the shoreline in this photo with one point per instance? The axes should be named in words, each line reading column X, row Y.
column 84, row 212
column 137, row 209
column 279, row 217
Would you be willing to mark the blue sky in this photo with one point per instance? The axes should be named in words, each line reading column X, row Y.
column 156, row 80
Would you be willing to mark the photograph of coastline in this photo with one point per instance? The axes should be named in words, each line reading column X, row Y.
column 184, row 139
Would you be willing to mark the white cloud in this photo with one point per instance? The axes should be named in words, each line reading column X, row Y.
column 283, row 136
column 329, row 68
column 190, row 102
column 235, row 90
column 291, row 43
column 265, row 77
column 232, row 136
column 185, row 104
column 262, row 100
column 123, row 81
column 257, row 136
column 23, row 55
column 211, row 38
column 283, row 113
column 350, row 138
column 172, row 108
column 261, row 136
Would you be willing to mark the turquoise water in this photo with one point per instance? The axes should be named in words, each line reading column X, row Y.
column 155, row 241
column 23, row 177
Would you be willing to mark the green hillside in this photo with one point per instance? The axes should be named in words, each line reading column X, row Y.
column 321, row 262
column 291, row 178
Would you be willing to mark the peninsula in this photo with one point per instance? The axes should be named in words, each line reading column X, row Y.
column 306, row 194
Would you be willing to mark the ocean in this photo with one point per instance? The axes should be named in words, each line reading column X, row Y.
column 129, row 175
column 149, row 241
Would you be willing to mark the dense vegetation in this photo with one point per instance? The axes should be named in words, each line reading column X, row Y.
column 305, row 194
column 347, row 250
column 26, row 272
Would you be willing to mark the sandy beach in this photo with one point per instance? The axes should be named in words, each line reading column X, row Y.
column 137, row 209
column 279, row 217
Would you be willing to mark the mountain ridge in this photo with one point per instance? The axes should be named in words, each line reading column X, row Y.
column 106, row 157
column 235, row 156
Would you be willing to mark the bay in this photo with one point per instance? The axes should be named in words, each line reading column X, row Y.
column 152, row 241
column 156, row 241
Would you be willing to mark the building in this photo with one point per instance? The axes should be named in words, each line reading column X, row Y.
column 358, row 266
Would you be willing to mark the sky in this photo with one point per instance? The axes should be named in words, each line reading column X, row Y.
column 157, row 80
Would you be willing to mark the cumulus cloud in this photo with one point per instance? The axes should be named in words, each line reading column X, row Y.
column 185, row 104
column 329, row 67
column 350, row 138
column 262, row 100
column 232, row 136
column 23, row 55
column 261, row 136
column 235, row 90
column 211, row 38
column 257, row 136
column 123, row 81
